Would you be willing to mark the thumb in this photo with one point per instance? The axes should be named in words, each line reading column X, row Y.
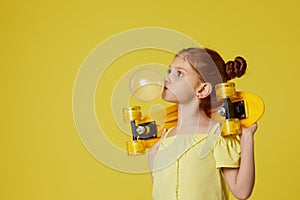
column 163, row 132
column 250, row 130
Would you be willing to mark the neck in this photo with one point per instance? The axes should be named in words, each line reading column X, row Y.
column 191, row 119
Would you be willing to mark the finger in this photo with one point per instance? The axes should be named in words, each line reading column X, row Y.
column 250, row 129
column 163, row 132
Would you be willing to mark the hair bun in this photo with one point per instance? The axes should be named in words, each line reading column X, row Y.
column 236, row 68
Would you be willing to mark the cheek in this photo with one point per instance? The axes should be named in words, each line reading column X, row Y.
column 181, row 91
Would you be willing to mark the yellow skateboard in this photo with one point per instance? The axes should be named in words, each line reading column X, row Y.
column 236, row 110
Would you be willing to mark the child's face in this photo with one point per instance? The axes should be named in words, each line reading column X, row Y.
column 182, row 82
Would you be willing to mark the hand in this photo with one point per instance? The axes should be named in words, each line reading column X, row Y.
column 250, row 130
column 163, row 132
column 248, row 133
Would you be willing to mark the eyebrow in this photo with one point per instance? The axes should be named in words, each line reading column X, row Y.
column 178, row 68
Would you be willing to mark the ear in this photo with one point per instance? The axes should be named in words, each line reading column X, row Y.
column 204, row 90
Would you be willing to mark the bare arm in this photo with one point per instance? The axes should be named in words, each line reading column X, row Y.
column 241, row 180
column 153, row 151
column 151, row 156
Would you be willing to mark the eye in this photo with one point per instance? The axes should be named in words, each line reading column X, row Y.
column 169, row 71
column 179, row 74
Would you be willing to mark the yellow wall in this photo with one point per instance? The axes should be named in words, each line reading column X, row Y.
column 44, row 43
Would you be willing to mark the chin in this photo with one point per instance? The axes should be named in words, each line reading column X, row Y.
column 169, row 98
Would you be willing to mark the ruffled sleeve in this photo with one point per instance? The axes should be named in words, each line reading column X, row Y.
column 227, row 152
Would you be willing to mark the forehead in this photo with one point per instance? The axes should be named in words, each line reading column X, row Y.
column 180, row 62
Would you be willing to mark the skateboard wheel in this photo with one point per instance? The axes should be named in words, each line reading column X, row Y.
column 231, row 127
column 135, row 147
column 132, row 113
column 225, row 90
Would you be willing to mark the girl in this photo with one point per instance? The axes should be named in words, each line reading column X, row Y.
column 178, row 170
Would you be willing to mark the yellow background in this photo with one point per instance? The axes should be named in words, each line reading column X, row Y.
column 43, row 44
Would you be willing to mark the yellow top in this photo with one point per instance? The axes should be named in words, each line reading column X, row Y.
column 188, row 167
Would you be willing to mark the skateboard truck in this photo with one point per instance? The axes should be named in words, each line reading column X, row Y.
column 235, row 111
column 141, row 130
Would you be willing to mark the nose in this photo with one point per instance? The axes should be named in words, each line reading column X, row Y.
column 167, row 79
